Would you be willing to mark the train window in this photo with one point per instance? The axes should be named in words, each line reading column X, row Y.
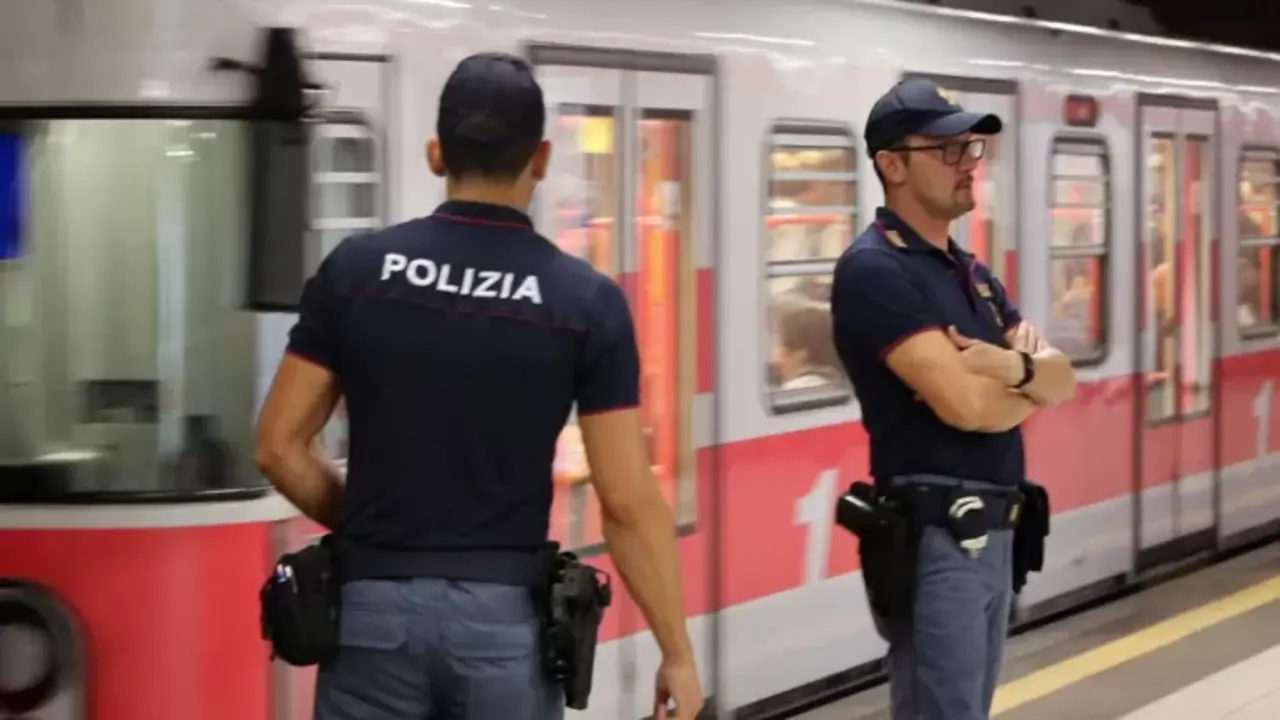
column 126, row 366
column 584, row 184
column 1161, row 244
column 581, row 200
column 1196, row 341
column 664, row 208
column 642, row 236
column 1179, row 262
column 345, row 185
column 345, row 202
column 1080, row 211
column 808, row 223
column 1257, row 303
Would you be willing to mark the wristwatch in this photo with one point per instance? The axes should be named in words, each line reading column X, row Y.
column 1028, row 370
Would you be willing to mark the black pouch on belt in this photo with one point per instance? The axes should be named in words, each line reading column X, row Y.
column 300, row 605
column 1029, row 538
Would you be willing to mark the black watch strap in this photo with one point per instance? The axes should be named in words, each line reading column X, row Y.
column 1028, row 370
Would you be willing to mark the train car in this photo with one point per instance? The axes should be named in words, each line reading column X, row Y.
column 709, row 156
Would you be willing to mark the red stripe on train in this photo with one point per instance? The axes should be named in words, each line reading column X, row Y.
column 773, row 486
column 1083, row 452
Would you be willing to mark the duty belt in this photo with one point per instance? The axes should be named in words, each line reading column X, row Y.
column 939, row 505
column 969, row 511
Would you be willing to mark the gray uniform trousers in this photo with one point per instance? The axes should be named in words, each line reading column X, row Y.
column 436, row 650
column 944, row 662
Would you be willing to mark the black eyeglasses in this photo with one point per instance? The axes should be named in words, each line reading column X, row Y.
column 952, row 151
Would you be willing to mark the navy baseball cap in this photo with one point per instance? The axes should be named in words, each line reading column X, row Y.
column 919, row 107
column 492, row 98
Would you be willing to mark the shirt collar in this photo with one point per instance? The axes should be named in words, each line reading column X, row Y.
column 479, row 213
column 901, row 236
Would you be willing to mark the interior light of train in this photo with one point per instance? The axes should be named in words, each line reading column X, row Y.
column 1080, row 111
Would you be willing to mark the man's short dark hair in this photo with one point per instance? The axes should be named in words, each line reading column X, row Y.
column 492, row 117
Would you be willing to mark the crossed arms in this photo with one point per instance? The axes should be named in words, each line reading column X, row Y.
column 967, row 383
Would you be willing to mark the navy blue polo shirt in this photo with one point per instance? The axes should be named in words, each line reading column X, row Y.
column 461, row 342
column 890, row 285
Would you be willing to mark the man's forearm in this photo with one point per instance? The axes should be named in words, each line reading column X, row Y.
column 1055, row 380
column 1000, row 408
column 308, row 481
column 644, row 550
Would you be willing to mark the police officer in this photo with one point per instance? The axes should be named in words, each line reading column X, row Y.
column 946, row 370
column 461, row 341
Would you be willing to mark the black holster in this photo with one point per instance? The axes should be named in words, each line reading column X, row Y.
column 299, row 614
column 571, row 602
column 888, row 544
column 1029, row 537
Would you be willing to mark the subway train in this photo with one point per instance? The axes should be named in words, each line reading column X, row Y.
column 709, row 156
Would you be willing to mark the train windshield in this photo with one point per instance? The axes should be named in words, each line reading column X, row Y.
column 126, row 363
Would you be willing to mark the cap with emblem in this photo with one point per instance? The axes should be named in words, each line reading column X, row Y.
column 919, row 107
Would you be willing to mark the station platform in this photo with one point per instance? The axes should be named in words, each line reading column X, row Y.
column 1205, row 646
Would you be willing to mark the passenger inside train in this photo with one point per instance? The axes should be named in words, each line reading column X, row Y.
column 803, row 354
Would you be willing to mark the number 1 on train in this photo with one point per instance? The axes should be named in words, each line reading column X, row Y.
column 1262, row 413
column 815, row 510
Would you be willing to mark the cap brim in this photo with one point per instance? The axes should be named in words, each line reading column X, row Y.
column 963, row 122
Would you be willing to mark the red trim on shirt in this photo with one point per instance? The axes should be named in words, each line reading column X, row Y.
column 479, row 221
column 308, row 360
column 616, row 408
column 903, row 338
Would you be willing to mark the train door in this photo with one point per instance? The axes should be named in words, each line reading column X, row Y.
column 1250, row 496
column 629, row 191
column 1177, row 474
column 990, row 230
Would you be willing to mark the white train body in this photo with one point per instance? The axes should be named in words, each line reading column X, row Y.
column 670, row 119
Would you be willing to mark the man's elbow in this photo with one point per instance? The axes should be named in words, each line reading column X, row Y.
column 632, row 504
column 636, row 509
column 269, row 454
column 267, row 458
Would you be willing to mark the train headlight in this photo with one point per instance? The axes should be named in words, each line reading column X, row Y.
column 35, row 650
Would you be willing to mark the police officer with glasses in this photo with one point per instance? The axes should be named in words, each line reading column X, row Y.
column 945, row 369
column 461, row 341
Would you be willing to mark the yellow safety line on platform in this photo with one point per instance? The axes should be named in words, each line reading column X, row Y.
column 1051, row 679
